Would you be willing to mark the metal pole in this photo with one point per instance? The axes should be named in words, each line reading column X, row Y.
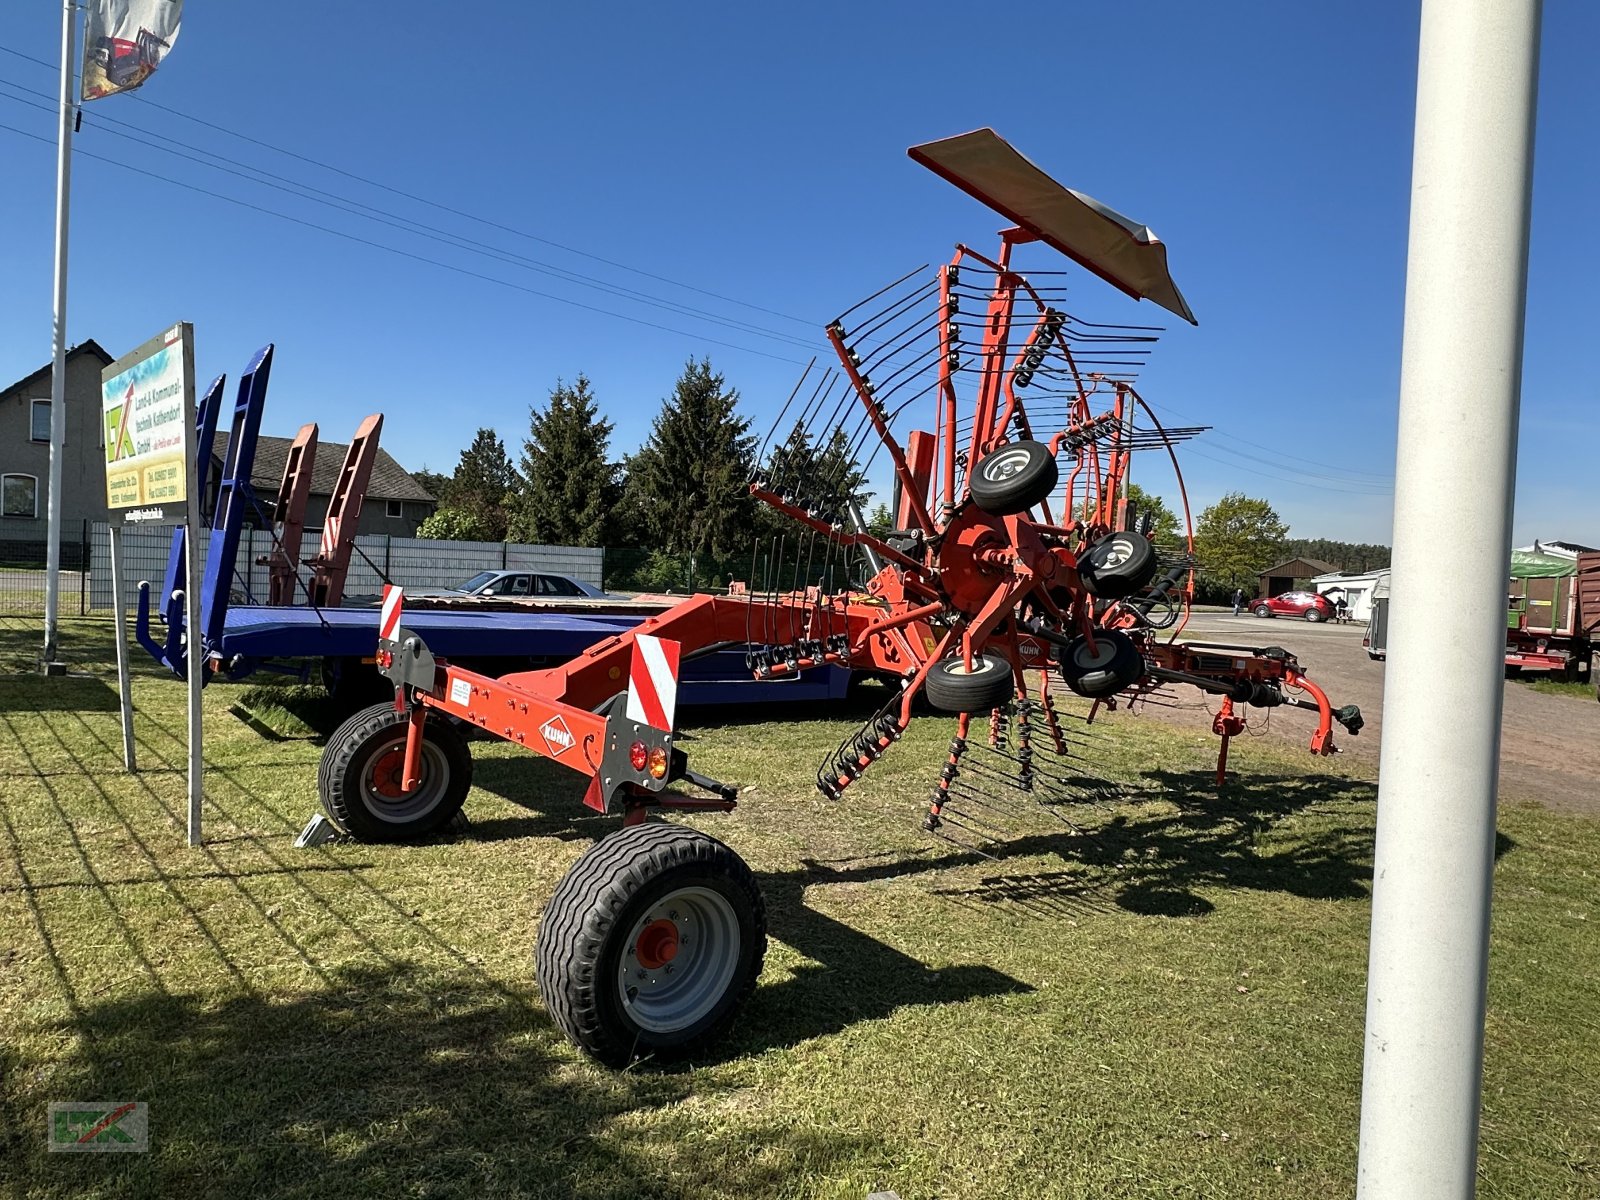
column 1466, row 282
column 192, row 631
column 58, row 374
column 119, row 609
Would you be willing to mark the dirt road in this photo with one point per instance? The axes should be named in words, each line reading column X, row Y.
column 1550, row 745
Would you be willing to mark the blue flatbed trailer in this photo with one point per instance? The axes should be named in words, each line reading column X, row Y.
column 289, row 640
column 339, row 643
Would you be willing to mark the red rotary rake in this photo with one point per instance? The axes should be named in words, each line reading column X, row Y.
column 1001, row 562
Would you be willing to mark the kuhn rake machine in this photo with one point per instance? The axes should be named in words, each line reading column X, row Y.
column 1015, row 548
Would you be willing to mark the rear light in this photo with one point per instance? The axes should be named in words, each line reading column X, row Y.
column 658, row 763
column 638, row 756
column 385, row 659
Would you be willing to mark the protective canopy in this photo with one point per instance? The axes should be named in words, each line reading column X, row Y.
column 1121, row 251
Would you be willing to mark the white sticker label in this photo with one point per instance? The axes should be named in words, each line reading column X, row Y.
column 460, row 691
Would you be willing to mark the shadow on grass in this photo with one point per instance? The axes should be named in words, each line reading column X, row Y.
column 388, row 1081
column 59, row 693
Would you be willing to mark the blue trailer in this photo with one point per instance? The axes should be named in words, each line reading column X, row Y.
column 336, row 645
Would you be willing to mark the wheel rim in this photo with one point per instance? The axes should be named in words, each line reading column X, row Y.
column 981, row 665
column 1003, row 464
column 1117, row 551
column 381, row 782
column 1086, row 659
column 678, row 960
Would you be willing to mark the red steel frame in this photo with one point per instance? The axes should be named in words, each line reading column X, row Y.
column 965, row 592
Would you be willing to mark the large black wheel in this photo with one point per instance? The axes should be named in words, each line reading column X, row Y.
column 1118, row 565
column 1013, row 478
column 1113, row 664
column 950, row 687
column 651, row 944
column 362, row 766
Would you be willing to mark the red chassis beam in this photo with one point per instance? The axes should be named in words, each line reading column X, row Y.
column 573, row 715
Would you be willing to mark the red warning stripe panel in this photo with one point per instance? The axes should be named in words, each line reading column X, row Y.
column 653, row 681
column 389, row 618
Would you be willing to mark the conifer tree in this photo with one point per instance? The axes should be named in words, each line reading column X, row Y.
column 571, row 486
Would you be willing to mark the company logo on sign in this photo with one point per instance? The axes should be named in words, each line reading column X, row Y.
column 99, row 1127
column 1030, row 650
column 558, row 738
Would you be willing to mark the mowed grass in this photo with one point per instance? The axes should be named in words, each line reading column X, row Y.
column 1157, row 993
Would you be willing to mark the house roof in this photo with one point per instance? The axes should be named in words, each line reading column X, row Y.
column 390, row 481
column 1318, row 567
column 87, row 347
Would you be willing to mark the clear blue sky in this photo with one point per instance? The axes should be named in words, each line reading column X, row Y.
column 758, row 152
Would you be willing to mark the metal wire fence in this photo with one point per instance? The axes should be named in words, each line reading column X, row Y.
column 23, row 578
column 378, row 558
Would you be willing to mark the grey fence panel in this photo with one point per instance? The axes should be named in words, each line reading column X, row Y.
column 410, row 562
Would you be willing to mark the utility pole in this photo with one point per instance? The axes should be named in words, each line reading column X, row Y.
column 1460, row 380
column 58, row 374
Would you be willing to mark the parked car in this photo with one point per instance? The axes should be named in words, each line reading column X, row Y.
column 528, row 583
column 1310, row 605
column 538, row 584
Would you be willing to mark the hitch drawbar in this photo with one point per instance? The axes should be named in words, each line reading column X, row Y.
column 625, row 746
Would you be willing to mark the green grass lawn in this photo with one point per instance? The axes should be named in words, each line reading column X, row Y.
column 1156, row 992
column 1557, row 687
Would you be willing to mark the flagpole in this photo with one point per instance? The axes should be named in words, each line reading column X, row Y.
column 58, row 374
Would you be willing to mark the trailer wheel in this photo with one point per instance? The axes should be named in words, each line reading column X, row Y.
column 651, row 944
column 1118, row 565
column 359, row 778
column 1013, row 478
column 1113, row 664
column 950, row 687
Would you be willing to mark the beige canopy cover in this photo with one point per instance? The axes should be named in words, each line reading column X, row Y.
column 1121, row 251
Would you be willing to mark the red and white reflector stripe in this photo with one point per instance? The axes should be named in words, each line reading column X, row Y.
column 653, row 681
column 389, row 620
column 330, row 537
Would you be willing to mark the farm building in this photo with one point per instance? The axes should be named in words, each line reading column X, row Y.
column 1287, row 576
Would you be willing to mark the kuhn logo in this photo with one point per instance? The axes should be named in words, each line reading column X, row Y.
column 557, row 737
column 1030, row 650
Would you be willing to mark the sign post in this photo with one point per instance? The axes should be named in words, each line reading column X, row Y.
column 147, row 410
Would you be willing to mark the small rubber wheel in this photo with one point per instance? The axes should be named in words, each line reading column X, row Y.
column 1113, row 664
column 1262, row 610
column 651, row 944
column 950, row 687
column 1313, row 615
column 360, row 775
column 1013, row 478
column 1118, row 565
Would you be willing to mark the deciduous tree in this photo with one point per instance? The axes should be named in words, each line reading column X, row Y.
column 1236, row 538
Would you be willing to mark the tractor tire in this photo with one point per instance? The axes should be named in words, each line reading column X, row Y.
column 1013, row 478
column 1113, row 664
column 1118, row 565
column 651, row 944
column 359, row 777
column 1261, row 610
column 951, row 688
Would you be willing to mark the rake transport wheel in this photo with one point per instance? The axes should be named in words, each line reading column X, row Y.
column 1118, row 565
column 360, row 777
column 952, row 688
column 1113, row 664
column 1013, row 478
column 651, row 944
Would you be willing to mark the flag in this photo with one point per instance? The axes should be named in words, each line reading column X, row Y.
column 124, row 41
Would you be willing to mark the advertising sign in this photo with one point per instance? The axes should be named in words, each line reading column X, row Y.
column 147, row 412
column 124, row 42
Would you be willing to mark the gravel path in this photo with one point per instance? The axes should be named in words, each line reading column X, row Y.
column 1549, row 747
